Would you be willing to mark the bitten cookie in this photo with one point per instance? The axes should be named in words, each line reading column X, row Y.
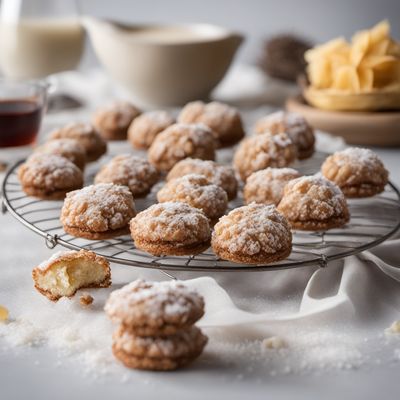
column 223, row 120
column 154, row 308
column 86, row 135
column 98, row 211
column 221, row 175
column 172, row 228
column 68, row 271
column 197, row 191
column 262, row 151
column 253, row 234
column 294, row 125
column 180, row 141
column 358, row 172
column 70, row 149
column 131, row 171
column 49, row 177
column 112, row 121
column 266, row 186
column 158, row 353
column 144, row 129
column 313, row 203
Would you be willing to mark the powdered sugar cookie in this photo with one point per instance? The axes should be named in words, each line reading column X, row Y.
column 49, row 177
column 155, row 308
column 198, row 192
column 358, row 172
column 313, row 203
column 98, row 211
column 253, row 234
column 171, row 228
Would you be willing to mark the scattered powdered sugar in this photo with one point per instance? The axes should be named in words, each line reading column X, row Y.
column 253, row 229
column 118, row 114
column 357, row 155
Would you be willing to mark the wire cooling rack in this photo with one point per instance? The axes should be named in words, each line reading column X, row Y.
column 373, row 220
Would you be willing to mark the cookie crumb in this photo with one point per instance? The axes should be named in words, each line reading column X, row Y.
column 273, row 342
column 85, row 300
column 3, row 314
column 394, row 329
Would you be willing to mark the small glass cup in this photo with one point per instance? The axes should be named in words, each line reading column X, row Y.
column 22, row 105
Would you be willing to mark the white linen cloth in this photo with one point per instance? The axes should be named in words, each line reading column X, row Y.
column 333, row 317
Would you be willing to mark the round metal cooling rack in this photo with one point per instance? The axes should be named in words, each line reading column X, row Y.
column 373, row 220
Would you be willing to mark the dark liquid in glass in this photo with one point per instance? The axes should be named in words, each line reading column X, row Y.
column 19, row 122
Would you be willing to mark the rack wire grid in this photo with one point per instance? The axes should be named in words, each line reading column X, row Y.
column 373, row 220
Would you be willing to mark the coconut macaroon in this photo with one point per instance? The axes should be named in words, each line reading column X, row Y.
column 144, row 129
column 171, row 228
column 86, row 135
column 180, row 141
column 223, row 120
column 266, row 186
column 49, row 177
column 197, row 191
column 313, row 203
column 358, row 172
column 70, row 149
column 112, row 120
column 63, row 274
column 253, row 234
column 131, row 171
column 294, row 125
column 98, row 211
column 221, row 175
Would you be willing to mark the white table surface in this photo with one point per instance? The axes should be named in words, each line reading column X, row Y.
column 31, row 372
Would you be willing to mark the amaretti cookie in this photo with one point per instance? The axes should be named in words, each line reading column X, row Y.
column 223, row 120
column 221, row 175
column 86, row 135
column 49, row 177
column 197, row 191
column 155, row 308
column 358, row 172
column 253, row 234
column 70, row 149
column 171, row 228
column 164, row 353
column 180, row 141
column 112, row 121
column 98, row 211
column 314, row 203
column 262, row 151
column 144, row 129
column 64, row 273
column 294, row 125
column 266, row 186
column 134, row 172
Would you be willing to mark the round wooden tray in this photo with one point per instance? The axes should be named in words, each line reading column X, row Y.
column 362, row 128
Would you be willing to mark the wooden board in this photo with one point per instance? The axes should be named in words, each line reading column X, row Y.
column 361, row 128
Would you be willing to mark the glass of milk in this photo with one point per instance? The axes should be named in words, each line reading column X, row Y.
column 39, row 38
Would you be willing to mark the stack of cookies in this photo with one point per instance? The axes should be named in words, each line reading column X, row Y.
column 156, row 325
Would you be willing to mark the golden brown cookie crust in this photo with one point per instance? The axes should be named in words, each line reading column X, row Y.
column 73, row 231
column 70, row 256
column 222, row 119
